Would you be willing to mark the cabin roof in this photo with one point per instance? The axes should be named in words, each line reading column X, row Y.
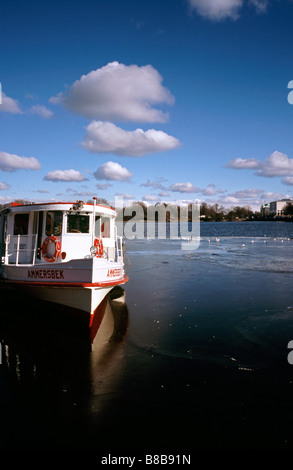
column 16, row 207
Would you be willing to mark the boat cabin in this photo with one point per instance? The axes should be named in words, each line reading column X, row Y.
column 56, row 232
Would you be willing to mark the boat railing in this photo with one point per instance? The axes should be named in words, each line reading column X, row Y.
column 20, row 249
column 119, row 249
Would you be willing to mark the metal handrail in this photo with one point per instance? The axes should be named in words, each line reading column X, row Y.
column 12, row 248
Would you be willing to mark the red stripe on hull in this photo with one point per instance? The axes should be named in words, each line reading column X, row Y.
column 69, row 284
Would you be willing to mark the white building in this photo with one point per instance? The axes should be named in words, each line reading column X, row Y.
column 275, row 208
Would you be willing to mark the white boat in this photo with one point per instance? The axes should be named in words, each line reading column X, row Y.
column 66, row 253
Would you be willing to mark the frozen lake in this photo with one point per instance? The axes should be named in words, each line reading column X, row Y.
column 201, row 338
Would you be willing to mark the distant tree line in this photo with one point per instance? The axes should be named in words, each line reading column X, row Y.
column 208, row 212
column 217, row 212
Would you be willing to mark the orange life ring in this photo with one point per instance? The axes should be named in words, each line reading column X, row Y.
column 50, row 258
column 100, row 249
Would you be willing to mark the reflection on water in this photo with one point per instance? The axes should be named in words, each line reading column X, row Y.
column 47, row 368
column 106, row 356
column 31, row 337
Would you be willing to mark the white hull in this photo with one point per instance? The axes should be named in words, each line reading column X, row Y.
column 86, row 299
column 78, row 284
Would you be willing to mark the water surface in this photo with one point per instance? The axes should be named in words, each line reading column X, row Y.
column 192, row 353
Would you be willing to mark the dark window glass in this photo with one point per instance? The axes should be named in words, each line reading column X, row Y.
column 54, row 223
column 21, row 224
column 78, row 223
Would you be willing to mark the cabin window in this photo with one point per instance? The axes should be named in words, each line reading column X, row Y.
column 21, row 224
column 54, row 223
column 77, row 223
column 102, row 226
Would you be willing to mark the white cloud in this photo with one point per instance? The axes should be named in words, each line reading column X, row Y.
column 118, row 92
column 230, row 200
column 126, row 196
column 253, row 197
column 41, row 111
column 150, row 198
column 103, row 186
column 6, row 199
column 112, row 171
column 288, row 180
column 164, row 194
column 64, row 175
column 84, row 193
column 260, row 5
column 277, row 164
column 270, row 196
column 210, row 190
column 11, row 162
column 4, row 186
column 217, row 9
column 9, row 105
column 243, row 163
column 106, row 137
column 184, row 188
column 154, row 184
column 249, row 193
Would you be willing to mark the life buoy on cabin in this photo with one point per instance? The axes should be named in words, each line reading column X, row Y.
column 51, row 249
column 100, row 249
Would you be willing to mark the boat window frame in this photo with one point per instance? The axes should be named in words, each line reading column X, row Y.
column 105, row 232
column 75, row 231
column 53, row 231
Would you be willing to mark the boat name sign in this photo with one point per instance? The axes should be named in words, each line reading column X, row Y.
column 45, row 274
column 114, row 272
column 59, row 273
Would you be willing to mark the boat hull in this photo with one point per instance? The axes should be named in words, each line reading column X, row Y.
column 80, row 296
column 81, row 285
column 88, row 300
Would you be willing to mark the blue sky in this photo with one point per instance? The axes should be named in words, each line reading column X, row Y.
column 157, row 101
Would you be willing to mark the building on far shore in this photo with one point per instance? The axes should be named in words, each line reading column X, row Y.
column 275, row 208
